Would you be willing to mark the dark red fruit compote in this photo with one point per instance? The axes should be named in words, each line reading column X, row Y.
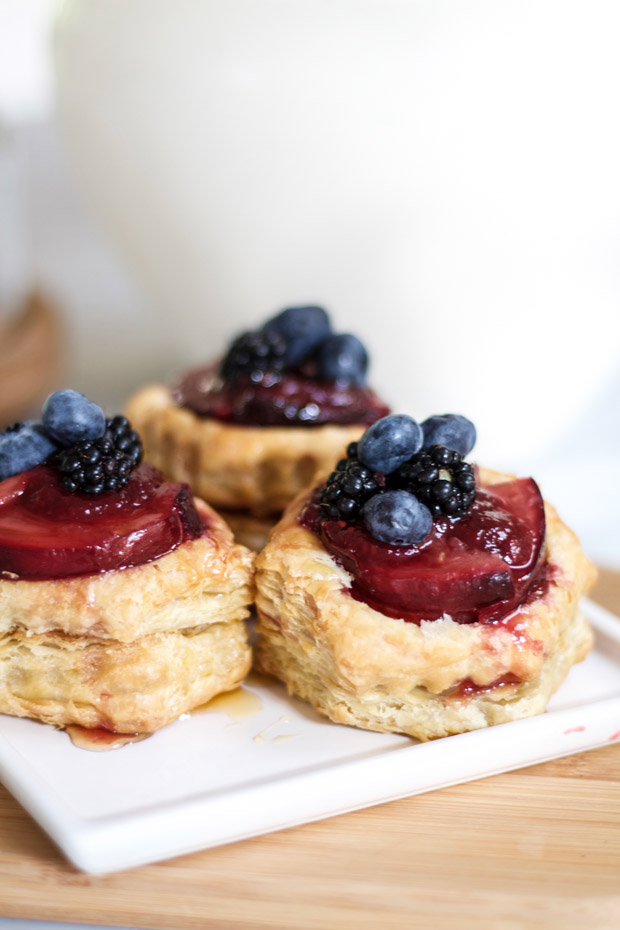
column 48, row 532
column 407, row 517
column 288, row 399
column 476, row 567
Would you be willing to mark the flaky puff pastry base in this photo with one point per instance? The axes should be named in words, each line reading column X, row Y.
column 259, row 469
column 134, row 687
column 129, row 650
column 362, row 668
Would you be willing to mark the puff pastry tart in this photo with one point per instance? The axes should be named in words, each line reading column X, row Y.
column 247, row 434
column 122, row 598
column 455, row 611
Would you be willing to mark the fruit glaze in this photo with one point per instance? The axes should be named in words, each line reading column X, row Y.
column 48, row 532
column 477, row 567
column 292, row 398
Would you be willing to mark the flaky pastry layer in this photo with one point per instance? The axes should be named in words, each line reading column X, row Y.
column 360, row 667
column 207, row 580
column 259, row 469
column 134, row 687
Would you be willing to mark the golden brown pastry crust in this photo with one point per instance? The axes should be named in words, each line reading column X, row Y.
column 129, row 650
column 256, row 468
column 134, row 687
column 360, row 667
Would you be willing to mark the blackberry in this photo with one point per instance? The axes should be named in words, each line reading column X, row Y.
column 347, row 489
column 254, row 354
column 439, row 478
column 97, row 465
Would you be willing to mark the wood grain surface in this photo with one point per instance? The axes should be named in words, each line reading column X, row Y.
column 31, row 358
column 529, row 850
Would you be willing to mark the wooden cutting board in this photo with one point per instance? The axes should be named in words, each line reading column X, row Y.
column 529, row 850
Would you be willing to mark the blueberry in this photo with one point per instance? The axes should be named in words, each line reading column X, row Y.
column 342, row 358
column 70, row 417
column 398, row 518
column 303, row 329
column 451, row 430
column 390, row 442
column 22, row 447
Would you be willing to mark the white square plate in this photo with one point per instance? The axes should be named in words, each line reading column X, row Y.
column 206, row 779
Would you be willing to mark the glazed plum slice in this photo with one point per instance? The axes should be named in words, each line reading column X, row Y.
column 470, row 567
column 292, row 399
column 48, row 532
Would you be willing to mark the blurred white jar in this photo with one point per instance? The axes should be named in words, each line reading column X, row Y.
column 442, row 176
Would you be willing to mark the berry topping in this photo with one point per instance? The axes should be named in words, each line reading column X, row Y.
column 451, row 430
column 418, row 537
column 69, row 417
column 22, row 446
column 389, row 442
column 297, row 342
column 397, row 518
column 254, row 354
column 293, row 371
column 342, row 358
column 476, row 569
column 440, row 479
column 303, row 329
column 347, row 489
column 415, row 486
column 102, row 464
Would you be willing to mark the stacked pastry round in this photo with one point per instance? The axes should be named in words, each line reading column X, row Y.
column 131, row 648
column 249, row 433
column 429, row 678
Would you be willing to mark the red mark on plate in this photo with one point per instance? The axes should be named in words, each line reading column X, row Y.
column 614, row 736
column 577, row 730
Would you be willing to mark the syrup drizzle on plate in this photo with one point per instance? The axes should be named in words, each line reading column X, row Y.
column 281, row 738
column 238, row 704
column 97, row 739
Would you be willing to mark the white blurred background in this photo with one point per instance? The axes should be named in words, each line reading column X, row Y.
column 442, row 175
